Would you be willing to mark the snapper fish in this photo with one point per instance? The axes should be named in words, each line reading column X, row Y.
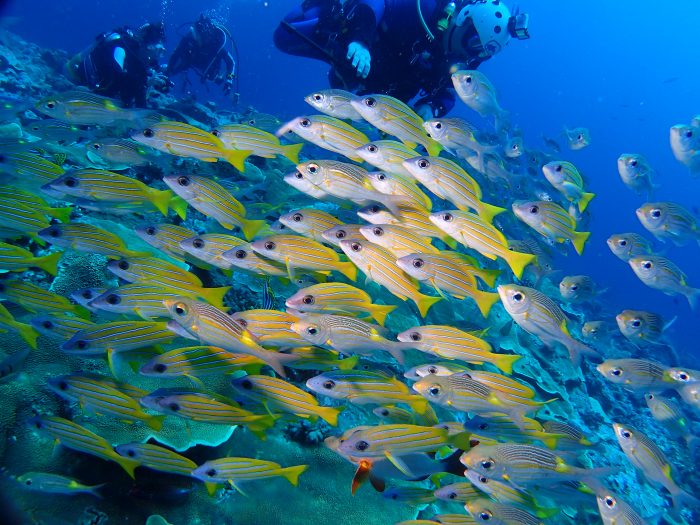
column 664, row 275
column 476, row 91
column 685, row 144
column 634, row 374
column 334, row 102
column 636, row 173
column 642, row 327
column 259, row 142
column 565, row 177
column 627, row 245
column 667, row 412
column 56, row 484
column 578, row 288
column 552, row 221
column 615, row 511
column 577, row 138
column 669, row 221
column 327, row 132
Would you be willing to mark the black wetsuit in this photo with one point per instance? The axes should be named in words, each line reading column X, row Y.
column 206, row 55
column 405, row 63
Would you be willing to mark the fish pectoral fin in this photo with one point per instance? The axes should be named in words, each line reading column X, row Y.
column 361, row 475
column 237, row 488
column 399, row 464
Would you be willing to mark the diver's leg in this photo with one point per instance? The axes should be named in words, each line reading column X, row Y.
column 298, row 34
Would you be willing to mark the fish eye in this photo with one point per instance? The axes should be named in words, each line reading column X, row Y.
column 240, row 254
column 183, row 181
column 432, row 370
column 361, row 445
column 633, row 163
column 54, row 232
column 636, row 323
column 423, row 163
column 650, row 396
column 370, row 102
column 247, row 384
column 71, row 182
column 610, row 502
column 150, row 230
column 625, row 433
column 689, row 134
column 434, row 390
column 485, row 516
column 304, row 123
column 381, row 176
column 418, row 263
column 311, row 330
column 415, row 336
column 131, row 453
column 483, row 479
column 62, row 385
column 211, row 472
column 534, row 209
column 574, row 287
column 269, row 245
column 148, row 133
column 452, row 495
column 123, row 264
column 483, row 426
column 82, row 344
column 308, row 299
column 28, row 482
column 579, row 137
column 438, row 125
column 447, row 217
column 317, row 97
column 647, row 265
column 378, row 231
column 622, row 242
column 329, row 385
column 517, row 297
column 312, row 168
column 47, row 324
column 174, row 407
column 181, row 309
column 616, row 372
column 558, row 168
column 216, row 133
column 468, row 79
column 160, row 368
column 683, row 376
column 198, row 243
column 87, row 294
column 298, row 175
column 372, row 148
column 487, row 464
column 340, row 234
column 656, row 213
column 297, row 217
column 384, row 412
column 242, row 322
column 113, row 299
column 356, row 247
column 50, row 104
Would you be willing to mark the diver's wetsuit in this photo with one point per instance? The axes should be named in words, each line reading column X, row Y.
column 205, row 56
column 115, row 67
column 404, row 62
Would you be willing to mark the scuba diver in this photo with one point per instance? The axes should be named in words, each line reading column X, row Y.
column 205, row 49
column 122, row 63
column 401, row 48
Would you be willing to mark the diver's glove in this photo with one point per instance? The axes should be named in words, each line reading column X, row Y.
column 360, row 58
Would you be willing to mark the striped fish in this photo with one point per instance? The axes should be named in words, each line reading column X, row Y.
column 100, row 397
column 75, row 437
column 540, row 316
column 615, row 511
column 270, row 327
column 210, row 248
column 473, row 232
column 338, row 297
column 184, row 140
column 387, row 155
column 237, row 470
column 29, row 169
column 571, row 437
column 392, row 414
column 158, row 272
column 206, row 408
column 327, row 132
column 395, row 184
column 552, row 221
column 451, row 343
column 577, row 288
column 453, row 273
column 399, row 240
column 449, row 181
column 395, row 118
column 22, row 218
column 635, row 374
column 628, row 245
column 361, row 387
column 333, row 102
column 310, row 222
column 199, row 361
column 460, row 492
column 88, row 238
column 411, row 217
column 341, row 232
column 166, row 238
column 487, row 511
column 268, row 300
column 379, row 265
column 119, row 336
column 213, row 327
column 260, row 143
column 36, row 299
column 298, row 252
column 58, row 325
column 565, row 177
column 277, row 394
column 500, row 491
column 668, row 221
column 455, row 135
column 391, row 441
column 447, row 519
column 409, row 495
column 664, row 275
column 16, row 259
column 213, row 200
column 503, row 428
column 244, row 257
column 33, row 201
column 83, row 108
column 157, row 458
column 138, row 299
column 120, row 153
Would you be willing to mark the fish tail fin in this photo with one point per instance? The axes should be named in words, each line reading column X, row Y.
column 259, row 426
column 348, row 363
column 348, row 269
column 179, row 206
column 127, row 464
column 550, row 441
column 425, row 302
column 584, row 201
column 682, row 499
column 578, row 350
column 291, row 152
column 95, row 490
column 397, row 353
column 49, row 263
column 62, row 214
column 236, row 157
column 485, row 300
column 489, row 211
column 380, row 311
column 433, row 148
column 329, row 415
column 292, row 474
column 27, row 333
column 251, row 227
column 518, row 261
column 449, row 241
column 505, row 362
column 488, row 276
column 419, row 404
column 579, row 241
column 693, row 296
column 211, row 487
column 214, row 296
column 160, row 199
column 155, row 422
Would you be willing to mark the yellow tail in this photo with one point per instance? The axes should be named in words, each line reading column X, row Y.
column 27, row 333
column 348, row 363
column 292, row 152
column 179, row 206
column 155, row 422
column 489, row 211
column 127, row 464
column 62, row 214
column 49, row 263
column 419, row 404
column 579, row 241
column 214, row 296
column 329, row 414
column 584, row 201
column 505, row 362
column 433, row 148
column 250, row 228
column 485, row 300
column 292, row 474
column 236, row 157
column 518, row 261
column 260, row 424
column 160, row 199
column 380, row 311
column 488, row 276
column 425, row 302
column 348, row 269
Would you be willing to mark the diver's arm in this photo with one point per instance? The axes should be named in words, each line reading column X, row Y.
column 362, row 21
